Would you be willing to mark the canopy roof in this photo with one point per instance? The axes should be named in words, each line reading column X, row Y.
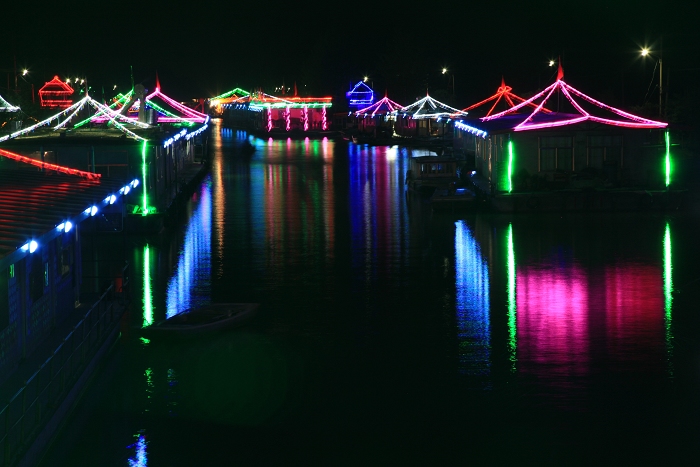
column 232, row 94
column 382, row 107
column 580, row 108
column 504, row 96
column 6, row 106
column 431, row 108
column 169, row 111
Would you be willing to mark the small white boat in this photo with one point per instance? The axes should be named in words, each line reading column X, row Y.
column 203, row 321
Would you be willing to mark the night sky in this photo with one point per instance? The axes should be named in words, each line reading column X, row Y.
column 206, row 48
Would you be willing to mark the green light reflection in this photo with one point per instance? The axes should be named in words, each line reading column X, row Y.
column 512, row 307
column 668, row 297
column 147, row 288
column 143, row 178
column 150, row 388
column 668, row 158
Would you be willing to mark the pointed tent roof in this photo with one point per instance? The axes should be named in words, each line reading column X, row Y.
column 172, row 111
column 68, row 114
column 431, row 108
column 232, row 94
column 6, row 106
column 503, row 95
column 169, row 110
column 382, row 107
column 585, row 108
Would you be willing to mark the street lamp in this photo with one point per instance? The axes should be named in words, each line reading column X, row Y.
column 645, row 52
column 450, row 75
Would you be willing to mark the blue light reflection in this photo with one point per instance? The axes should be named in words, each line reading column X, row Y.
column 472, row 303
column 190, row 285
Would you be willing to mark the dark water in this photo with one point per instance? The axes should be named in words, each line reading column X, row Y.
column 390, row 335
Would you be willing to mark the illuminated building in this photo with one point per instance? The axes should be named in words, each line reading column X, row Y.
column 273, row 115
column 360, row 96
column 122, row 141
column 55, row 93
column 427, row 118
column 40, row 248
column 562, row 138
column 6, row 106
column 379, row 116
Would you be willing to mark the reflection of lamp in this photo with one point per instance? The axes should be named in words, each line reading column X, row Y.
column 645, row 52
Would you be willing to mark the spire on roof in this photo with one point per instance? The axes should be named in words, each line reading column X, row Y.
column 560, row 71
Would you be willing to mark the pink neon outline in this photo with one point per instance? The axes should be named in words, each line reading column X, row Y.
column 537, row 110
column 637, row 122
column 573, row 102
column 288, row 118
column 269, row 119
column 391, row 105
column 190, row 113
column 306, row 119
column 534, row 126
column 621, row 113
column 324, row 124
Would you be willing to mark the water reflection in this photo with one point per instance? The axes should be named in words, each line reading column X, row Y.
column 378, row 213
column 190, row 284
column 140, row 458
column 573, row 316
column 668, row 297
column 472, row 303
column 147, row 287
column 512, row 302
column 367, row 328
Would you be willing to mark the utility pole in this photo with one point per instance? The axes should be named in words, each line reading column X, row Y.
column 661, row 77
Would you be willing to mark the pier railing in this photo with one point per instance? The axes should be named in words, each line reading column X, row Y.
column 34, row 404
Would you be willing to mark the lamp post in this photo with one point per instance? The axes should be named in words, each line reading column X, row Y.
column 645, row 52
column 445, row 71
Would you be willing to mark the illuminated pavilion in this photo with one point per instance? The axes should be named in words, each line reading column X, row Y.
column 6, row 106
column 124, row 141
column 466, row 131
column 378, row 116
column 527, row 144
column 274, row 115
column 426, row 119
column 360, row 96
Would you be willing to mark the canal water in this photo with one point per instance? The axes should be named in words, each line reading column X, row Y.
column 388, row 334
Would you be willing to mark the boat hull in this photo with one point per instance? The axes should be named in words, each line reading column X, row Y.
column 203, row 321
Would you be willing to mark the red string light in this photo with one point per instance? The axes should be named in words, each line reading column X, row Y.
column 45, row 165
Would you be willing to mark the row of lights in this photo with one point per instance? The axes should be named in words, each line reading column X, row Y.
column 66, row 226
